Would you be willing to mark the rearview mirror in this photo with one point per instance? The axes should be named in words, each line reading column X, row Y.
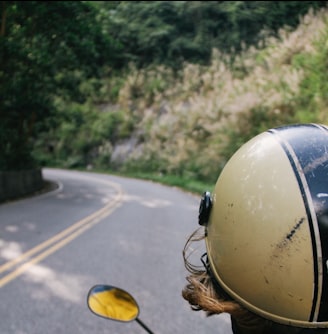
column 112, row 303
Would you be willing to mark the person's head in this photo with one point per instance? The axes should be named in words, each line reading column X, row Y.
column 266, row 233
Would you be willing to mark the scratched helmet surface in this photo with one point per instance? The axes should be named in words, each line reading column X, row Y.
column 267, row 233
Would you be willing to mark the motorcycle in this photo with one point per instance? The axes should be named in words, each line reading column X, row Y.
column 114, row 303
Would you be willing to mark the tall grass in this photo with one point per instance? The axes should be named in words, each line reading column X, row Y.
column 186, row 125
column 194, row 122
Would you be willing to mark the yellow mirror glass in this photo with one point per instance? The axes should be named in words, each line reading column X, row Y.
column 112, row 303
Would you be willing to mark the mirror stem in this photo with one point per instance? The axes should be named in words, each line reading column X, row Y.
column 144, row 326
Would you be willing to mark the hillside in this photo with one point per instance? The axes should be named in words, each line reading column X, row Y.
column 192, row 125
column 187, row 125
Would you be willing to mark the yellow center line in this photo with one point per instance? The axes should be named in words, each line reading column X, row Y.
column 61, row 239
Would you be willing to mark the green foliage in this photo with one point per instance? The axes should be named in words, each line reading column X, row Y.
column 194, row 124
column 310, row 105
column 83, row 137
column 78, row 77
column 188, row 184
column 313, row 98
column 172, row 32
column 46, row 49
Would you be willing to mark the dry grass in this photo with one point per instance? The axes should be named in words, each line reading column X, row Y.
column 185, row 120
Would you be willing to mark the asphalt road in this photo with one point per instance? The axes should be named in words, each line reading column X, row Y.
column 92, row 229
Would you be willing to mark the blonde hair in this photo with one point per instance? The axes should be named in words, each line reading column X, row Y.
column 201, row 292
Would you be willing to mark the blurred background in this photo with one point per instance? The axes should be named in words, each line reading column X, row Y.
column 165, row 90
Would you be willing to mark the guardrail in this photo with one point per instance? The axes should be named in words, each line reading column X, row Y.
column 19, row 183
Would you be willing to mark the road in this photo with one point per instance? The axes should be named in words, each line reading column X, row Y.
column 97, row 228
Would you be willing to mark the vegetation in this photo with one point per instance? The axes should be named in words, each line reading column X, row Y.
column 46, row 50
column 163, row 88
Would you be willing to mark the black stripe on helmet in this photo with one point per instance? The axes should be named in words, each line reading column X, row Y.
column 306, row 146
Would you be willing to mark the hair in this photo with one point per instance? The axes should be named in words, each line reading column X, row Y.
column 202, row 292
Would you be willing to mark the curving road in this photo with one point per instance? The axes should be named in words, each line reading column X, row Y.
column 97, row 228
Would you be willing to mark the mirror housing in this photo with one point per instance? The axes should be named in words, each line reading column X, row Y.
column 113, row 303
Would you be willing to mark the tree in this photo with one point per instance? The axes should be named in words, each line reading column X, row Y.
column 172, row 32
column 46, row 49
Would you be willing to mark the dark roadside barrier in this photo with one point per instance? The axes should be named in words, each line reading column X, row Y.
column 19, row 183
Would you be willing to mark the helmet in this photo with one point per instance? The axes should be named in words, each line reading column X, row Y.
column 267, row 225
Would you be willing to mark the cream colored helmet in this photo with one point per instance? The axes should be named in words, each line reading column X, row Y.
column 267, row 225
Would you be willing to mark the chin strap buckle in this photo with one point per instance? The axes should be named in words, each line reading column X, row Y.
column 205, row 208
